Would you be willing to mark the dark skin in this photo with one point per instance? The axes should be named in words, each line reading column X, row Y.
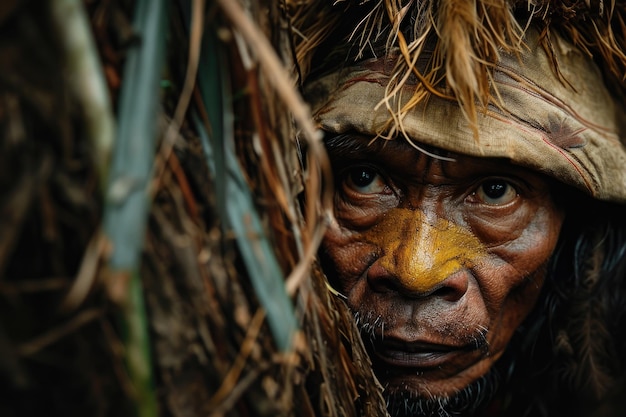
column 441, row 260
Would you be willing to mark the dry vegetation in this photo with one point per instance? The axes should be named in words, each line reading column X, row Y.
column 141, row 269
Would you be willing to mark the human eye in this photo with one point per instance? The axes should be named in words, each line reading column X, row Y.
column 364, row 180
column 495, row 192
column 364, row 193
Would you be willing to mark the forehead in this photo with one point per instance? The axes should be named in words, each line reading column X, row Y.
column 415, row 160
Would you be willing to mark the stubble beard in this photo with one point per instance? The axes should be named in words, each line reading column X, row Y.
column 467, row 402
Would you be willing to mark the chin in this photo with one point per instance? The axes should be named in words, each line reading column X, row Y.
column 415, row 399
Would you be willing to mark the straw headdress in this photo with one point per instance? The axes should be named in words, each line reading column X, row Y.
column 470, row 36
column 415, row 56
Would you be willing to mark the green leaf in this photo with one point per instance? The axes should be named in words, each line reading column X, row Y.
column 128, row 199
column 234, row 196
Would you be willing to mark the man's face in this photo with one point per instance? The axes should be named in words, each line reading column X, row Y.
column 440, row 260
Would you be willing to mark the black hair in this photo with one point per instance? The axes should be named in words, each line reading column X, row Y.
column 569, row 356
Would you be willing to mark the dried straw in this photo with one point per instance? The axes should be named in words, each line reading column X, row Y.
column 466, row 38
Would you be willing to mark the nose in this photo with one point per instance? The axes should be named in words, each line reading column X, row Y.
column 451, row 289
column 422, row 258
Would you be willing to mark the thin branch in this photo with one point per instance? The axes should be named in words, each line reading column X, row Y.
column 54, row 335
column 193, row 59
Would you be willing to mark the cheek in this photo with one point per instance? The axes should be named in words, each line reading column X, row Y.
column 517, row 305
column 512, row 278
column 345, row 259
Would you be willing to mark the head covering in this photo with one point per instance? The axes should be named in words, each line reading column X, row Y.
column 541, row 84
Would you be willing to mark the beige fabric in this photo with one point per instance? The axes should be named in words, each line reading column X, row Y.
column 572, row 134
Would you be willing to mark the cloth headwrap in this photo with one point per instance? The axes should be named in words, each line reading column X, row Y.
column 572, row 134
column 564, row 123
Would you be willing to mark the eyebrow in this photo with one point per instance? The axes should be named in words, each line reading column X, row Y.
column 346, row 143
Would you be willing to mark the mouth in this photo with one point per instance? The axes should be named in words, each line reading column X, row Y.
column 419, row 355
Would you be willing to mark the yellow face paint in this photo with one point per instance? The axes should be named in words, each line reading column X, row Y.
column 419, row 253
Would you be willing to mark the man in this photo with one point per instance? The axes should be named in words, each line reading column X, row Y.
column 480, row 182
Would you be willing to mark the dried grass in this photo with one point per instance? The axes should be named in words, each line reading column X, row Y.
column 62, row 336
column 466, row 38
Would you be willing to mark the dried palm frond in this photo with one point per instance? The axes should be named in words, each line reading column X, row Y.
column 465, row 39
column 329, row 368
column 237, row 318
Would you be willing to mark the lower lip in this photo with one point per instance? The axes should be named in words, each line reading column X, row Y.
column 417, row 360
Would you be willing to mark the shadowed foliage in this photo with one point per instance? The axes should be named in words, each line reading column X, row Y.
column 142, row 269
